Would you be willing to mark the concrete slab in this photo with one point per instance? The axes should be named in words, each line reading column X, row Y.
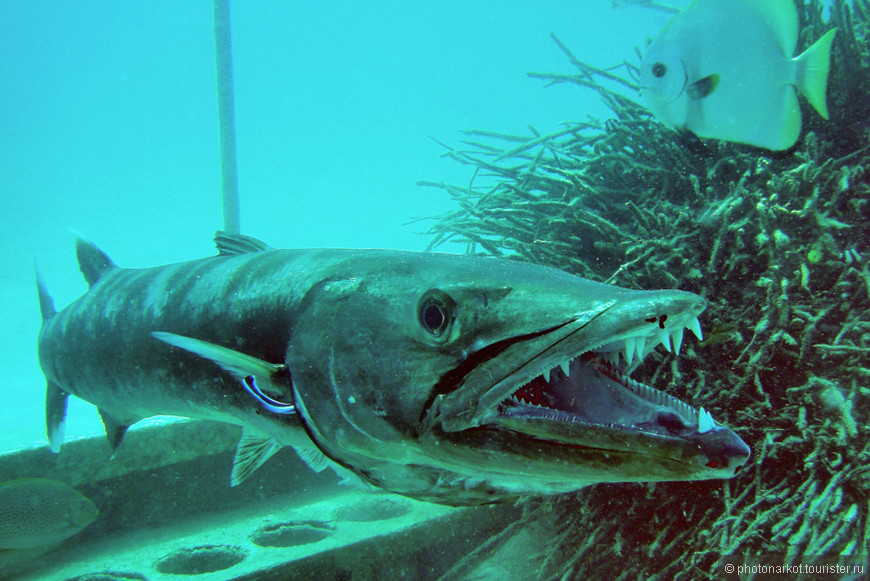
column 167, row 512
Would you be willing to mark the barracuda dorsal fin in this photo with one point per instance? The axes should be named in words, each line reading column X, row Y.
column 229, row 244
column 252, row 372
column 93, row 262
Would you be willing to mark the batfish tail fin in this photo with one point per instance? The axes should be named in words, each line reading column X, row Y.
column 55, row 414
column 814, row 64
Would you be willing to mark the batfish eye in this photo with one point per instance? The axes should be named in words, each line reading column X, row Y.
column 659, row 70
column 435, row 313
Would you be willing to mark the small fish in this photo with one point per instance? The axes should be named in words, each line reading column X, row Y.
column 723, row 69
column 38, row 512
column 722, row 334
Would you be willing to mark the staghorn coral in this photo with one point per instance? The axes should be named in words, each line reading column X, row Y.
column 778, row 244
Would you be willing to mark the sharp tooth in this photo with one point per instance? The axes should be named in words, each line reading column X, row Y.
column 546, row 375
column 612, row 357
column 677, row 336
column 694, row 325
column 665, row 339
column 565, row 368
column 705, row 421
column 640, row 347
column 629, row 349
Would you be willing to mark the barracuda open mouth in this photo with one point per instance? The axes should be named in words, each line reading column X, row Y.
column 594, row 388
column 589, row 402
column 589, row 390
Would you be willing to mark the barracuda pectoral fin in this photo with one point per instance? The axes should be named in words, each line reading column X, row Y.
column 252, row 372
column 253, row 450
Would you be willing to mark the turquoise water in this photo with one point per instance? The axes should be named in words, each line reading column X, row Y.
column 109, row 128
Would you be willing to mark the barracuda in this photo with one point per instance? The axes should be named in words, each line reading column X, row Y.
column 453, row 379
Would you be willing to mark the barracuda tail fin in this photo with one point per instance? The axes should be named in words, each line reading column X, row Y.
column 55, row 396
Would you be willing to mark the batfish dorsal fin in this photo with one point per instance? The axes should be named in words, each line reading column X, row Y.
column 93, row 262
column 229, row 244
column 782, row 18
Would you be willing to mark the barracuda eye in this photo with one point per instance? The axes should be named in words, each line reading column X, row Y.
column 434, row 317
column 435, row 313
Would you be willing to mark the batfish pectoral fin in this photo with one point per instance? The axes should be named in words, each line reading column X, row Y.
column 704, row 87
column 252, row 372
column 55, row 414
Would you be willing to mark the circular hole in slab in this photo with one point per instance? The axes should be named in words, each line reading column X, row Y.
column 109, row 576
column 200, row 560
column 292, row 534
column 371, row 510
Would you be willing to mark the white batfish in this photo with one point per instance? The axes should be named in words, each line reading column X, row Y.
column 725, row 69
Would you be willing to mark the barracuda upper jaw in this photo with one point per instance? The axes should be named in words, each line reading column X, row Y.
column 554, row 387
column 631, row 323
column 634, row 348
column 668, row 333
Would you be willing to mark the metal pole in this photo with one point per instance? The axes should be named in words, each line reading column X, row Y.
column 226, row 115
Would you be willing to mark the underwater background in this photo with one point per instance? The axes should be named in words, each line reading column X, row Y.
column 109, row 128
